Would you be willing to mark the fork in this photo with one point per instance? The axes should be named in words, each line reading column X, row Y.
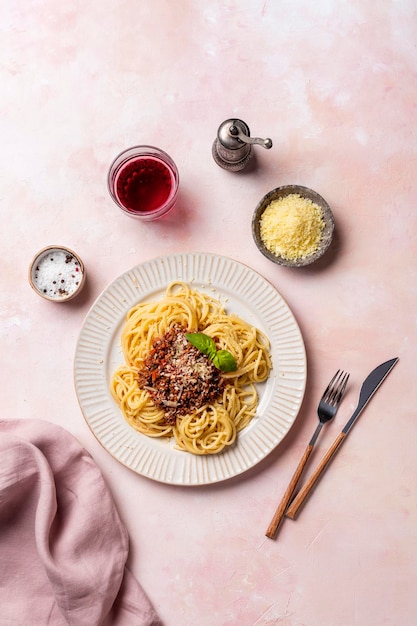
column 326, row 410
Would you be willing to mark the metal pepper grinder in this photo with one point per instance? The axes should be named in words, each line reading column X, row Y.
column 232, row 148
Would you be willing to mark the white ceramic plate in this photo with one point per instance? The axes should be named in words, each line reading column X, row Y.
column 244, row 292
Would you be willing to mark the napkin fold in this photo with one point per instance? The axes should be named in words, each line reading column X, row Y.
column 63, row 547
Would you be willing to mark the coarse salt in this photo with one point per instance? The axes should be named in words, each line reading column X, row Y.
column 57, row 274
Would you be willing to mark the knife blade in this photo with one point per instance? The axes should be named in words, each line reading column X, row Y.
column 370, row 385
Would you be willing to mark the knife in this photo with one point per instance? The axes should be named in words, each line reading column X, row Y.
column 368, row 389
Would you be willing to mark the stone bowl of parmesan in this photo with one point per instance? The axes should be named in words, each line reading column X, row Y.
column 292, row 226
column 57, row 274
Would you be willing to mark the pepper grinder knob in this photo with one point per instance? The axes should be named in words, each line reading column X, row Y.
column 232, row 148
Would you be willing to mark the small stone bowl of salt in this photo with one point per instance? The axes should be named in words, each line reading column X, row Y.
column 292, row 226
column 57, row 274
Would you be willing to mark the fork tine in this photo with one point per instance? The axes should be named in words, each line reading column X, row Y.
column 342, row 388
column 330, row 384
column 336, row 388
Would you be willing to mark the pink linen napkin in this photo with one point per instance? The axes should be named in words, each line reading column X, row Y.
column 63, row 547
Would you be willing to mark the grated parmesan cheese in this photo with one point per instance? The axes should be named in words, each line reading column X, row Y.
column 291, row 227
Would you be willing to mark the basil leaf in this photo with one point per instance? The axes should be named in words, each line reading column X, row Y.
column 224, row 361
column 202, row 342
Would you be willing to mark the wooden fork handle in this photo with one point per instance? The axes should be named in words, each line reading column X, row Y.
column 282, row 507
column 305, row 491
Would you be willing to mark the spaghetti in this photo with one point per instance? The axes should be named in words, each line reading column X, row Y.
column 167, row 388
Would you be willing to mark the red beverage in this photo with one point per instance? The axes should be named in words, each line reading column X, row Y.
column 144, row 184
column 143, row 181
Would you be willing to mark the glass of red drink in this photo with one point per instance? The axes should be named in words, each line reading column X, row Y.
column 143, row 181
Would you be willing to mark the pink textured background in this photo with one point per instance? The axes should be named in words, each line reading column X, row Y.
column 334, row 85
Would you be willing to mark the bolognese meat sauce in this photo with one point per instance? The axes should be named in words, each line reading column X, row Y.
column 178, row 377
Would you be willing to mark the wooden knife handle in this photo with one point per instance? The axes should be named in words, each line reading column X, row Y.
column 282, row 507
column 305, row 491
